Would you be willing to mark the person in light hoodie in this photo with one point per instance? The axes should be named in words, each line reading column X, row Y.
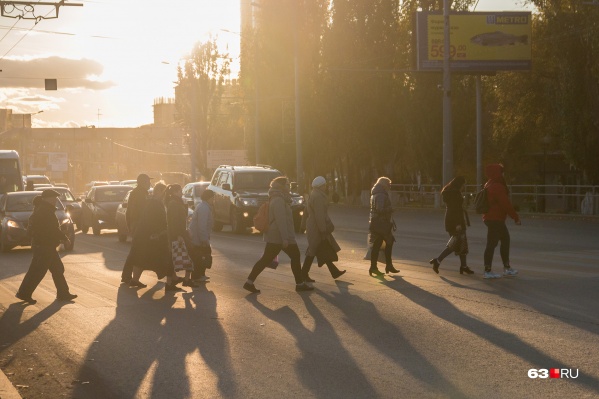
column 199, row 230
column 500, row 207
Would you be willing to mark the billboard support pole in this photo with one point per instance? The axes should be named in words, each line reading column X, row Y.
column 447, row 133
column 479, row 134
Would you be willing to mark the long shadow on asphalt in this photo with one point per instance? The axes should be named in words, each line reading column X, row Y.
column 325, row 368
column 148, row 337
column 508, row 342
column 573, row 300
column 364, row 318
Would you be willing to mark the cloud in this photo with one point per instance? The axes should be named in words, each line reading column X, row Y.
column 20, row 72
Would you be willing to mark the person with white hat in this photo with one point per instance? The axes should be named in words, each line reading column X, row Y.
column 319, row 229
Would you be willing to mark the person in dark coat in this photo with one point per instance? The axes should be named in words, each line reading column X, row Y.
column 176, row 222
column 456, row 220
column 150, row 247
column 319, row 228
column 43, row 227
column 135, row 205
column 280, row 236
column 381, row 226
column 500, row 207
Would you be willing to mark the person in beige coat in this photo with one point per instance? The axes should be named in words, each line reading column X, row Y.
column 280, row 236
column 321, row 243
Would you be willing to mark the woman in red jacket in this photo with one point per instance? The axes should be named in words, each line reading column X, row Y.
column 499, row 208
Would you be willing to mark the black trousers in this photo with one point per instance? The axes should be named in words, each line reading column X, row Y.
column 44, row 258
column 308, row 265
column 376, row 247
column 197, row 252
column 270, row 251
column 497, row 233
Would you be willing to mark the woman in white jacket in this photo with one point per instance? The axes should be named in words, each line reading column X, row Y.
column 280, row 236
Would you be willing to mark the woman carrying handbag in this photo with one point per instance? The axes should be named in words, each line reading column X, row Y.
column 321, row 243
column 381, row 226
column 456, row 220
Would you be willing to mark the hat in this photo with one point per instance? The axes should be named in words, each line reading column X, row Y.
column 49, row 193
column 318, row 181
column 143, row 177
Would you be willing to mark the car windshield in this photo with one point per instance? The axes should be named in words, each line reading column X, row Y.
column 249, row 180
column 65, row 195
column 24, row 203
column 198, row 190
column 116, row 194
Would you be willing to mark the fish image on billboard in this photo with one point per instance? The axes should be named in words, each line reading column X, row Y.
column 498, row 39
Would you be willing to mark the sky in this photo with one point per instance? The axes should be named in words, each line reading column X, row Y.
column 113, row 58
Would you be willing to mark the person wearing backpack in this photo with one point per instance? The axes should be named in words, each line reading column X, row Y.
column 456, row 220
column 280, row 236
column 500, row 207
column 319, row 229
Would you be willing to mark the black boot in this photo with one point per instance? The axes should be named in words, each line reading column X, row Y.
column 436, row 264
column 390, row 269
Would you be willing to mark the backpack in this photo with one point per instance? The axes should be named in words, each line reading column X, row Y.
column 261, row 221
column 481, row 201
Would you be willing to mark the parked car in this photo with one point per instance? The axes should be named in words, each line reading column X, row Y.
column 132, row 183
column 193, row 191
column 16, row 208
column 239, row 192
column 72, row 204
column 99, row 207
column 43, row 186
column 38, row 179
column 63, row 185
column 121, row 218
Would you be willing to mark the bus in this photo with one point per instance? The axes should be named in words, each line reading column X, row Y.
column 10, row 172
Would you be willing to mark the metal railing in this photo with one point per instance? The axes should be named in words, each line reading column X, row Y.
column 557, row 199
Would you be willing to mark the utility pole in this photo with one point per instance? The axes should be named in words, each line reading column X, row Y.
column 447, row 133
column 298, row 131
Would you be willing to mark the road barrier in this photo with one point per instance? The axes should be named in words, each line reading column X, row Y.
column 557, row 199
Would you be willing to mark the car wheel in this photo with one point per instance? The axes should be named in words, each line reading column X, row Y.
column 3, row 247
column 236, row 226
column 96, row 229
column 217, row 226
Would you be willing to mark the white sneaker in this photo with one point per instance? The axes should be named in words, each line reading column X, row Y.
column 509, row 272
column 491, row 275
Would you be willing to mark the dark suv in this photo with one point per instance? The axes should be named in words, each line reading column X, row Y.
column 239, row 192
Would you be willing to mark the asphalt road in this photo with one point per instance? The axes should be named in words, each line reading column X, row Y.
column 416, row 334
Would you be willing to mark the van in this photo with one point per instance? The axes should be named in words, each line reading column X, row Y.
column 11, row 179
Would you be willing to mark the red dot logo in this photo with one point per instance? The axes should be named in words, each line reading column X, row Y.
column 554, row 373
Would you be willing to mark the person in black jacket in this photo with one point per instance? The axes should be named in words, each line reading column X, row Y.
column 456, row 220
column 135, row 205
column 45, row 237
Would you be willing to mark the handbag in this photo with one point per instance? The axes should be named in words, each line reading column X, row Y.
column 326, row 253
column 381, row 226
column 458, row 243
column 180, row 256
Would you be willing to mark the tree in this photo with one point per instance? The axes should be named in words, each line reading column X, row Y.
column 198, row 93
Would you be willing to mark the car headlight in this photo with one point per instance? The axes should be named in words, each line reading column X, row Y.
column 249, row 201
column 65, row 221
column 13, row 224
column 297, row 201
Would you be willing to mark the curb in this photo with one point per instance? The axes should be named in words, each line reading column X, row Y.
column 7, row 389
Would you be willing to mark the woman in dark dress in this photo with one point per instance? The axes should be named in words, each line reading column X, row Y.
column 456, row 220
column 150, row 247
column 176, row 221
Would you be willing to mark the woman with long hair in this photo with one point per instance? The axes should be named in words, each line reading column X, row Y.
column 456, row 220
column 381, row 226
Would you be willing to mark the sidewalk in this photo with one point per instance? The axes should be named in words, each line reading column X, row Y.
column 7, row 390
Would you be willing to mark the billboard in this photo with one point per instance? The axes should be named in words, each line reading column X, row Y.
column 479, row 41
